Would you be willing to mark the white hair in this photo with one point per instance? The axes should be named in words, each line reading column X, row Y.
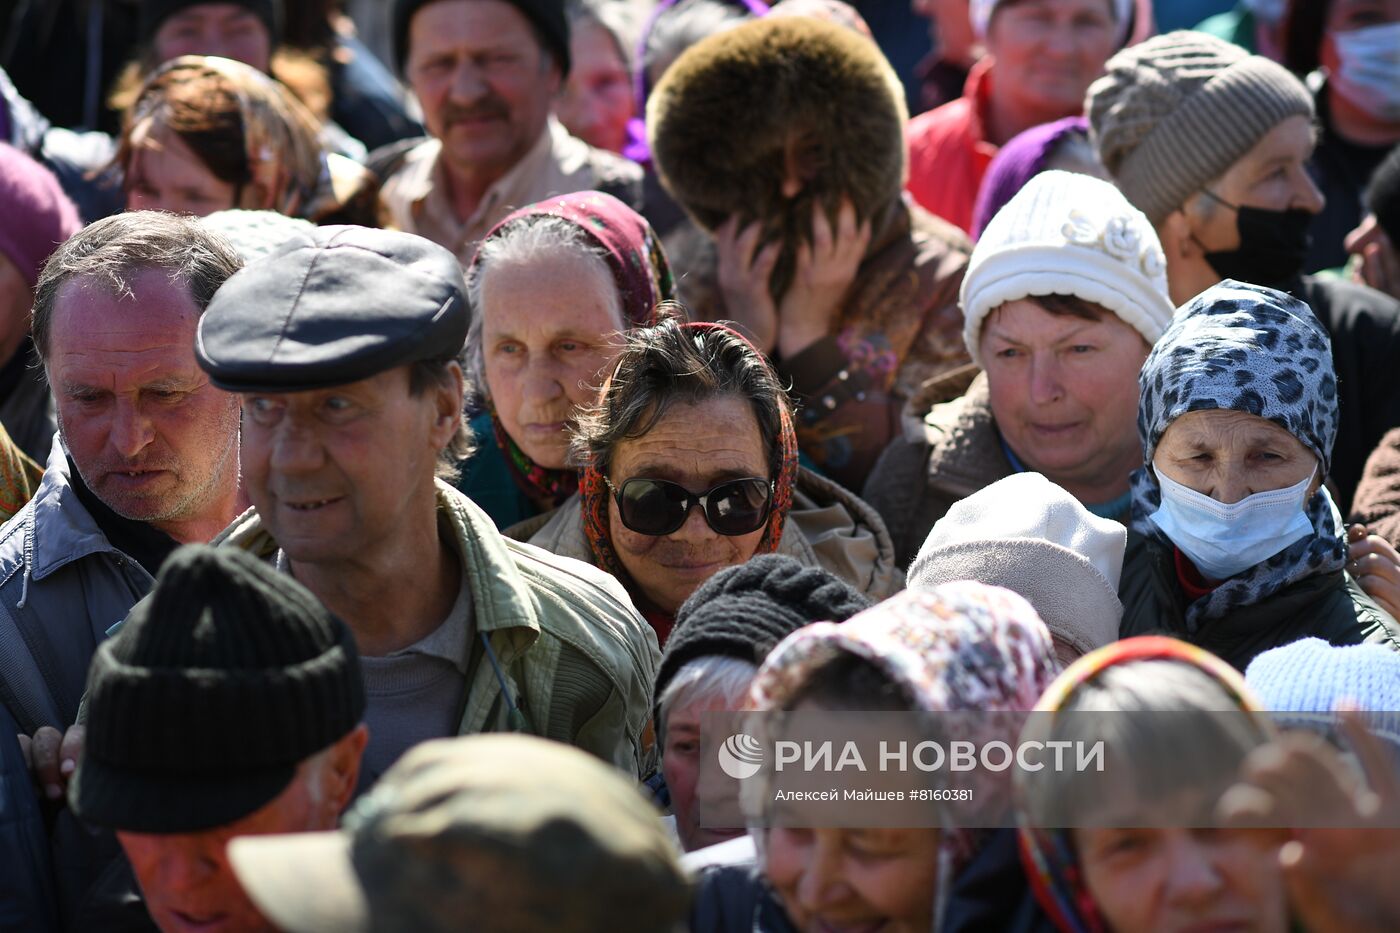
column 521, row 243
column 713, row 677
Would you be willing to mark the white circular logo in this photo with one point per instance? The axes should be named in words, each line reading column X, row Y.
column 740, row 756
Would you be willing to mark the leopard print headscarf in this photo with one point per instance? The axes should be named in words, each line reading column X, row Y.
column 1245, row 348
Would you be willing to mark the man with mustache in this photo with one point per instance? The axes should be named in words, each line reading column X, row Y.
column 486, row 73
column 145, row 459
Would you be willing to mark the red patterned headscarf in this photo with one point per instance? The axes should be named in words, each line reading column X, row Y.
column 595, row 493
column 642, row 274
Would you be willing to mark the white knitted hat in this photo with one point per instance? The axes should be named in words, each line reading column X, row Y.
column 1030, row 536
column 1068, row 234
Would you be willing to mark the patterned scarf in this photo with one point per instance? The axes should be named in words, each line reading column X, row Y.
column 642, row 273
column 593, row 489
column 958, row 647
column 1245, row 348
column 1049, row 854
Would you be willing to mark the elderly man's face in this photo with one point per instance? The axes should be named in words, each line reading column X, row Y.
column 1064, row 392
column 186, row 878
column 150, row 435
column 1229, row 455
column 337, row 473
column 484, row 81
column 696, row 446
column 225, row 29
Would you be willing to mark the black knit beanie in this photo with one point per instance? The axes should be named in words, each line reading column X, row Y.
column 1383, row 196
column 743, row 611
column 216, row 687
column 547, row 16
column 155, row 12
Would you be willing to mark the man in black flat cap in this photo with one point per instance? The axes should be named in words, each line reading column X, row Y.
column 343, row 344
column 263, row 684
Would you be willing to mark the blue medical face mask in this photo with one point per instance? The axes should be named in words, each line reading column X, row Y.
column 1369, row 75
column 1224, row 540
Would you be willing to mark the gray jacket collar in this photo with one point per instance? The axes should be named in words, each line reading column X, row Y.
column 60, row 529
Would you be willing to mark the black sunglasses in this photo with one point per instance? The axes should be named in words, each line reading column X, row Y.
column 658, row 507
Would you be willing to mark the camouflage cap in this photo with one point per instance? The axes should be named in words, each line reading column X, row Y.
column 512, row 831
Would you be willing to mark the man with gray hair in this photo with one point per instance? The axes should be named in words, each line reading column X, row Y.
column 1213, row 144
column 145, row 459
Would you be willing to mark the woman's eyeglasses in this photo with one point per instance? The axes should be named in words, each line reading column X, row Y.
column 658, row 507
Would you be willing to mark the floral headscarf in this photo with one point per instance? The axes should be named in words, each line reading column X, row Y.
column 642, row 274
column 1051, row 863
column 958, row 647
column 1245, row 348
column 594, row 491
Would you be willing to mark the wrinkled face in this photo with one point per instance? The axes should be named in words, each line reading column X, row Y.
column 1165, row 880
column 858, row 879
column 16, row 298
column 186, row 878
column 483, row 80
column 548, row 329
column 336, row 473
column 224, row 29
column 1229, row 455
column 164, row 174
column 1273, row 176
column 597, row 99
column 680, row 764
column 1064, row 390
column 150, row 435
column 1048, row 52
column 696, row 446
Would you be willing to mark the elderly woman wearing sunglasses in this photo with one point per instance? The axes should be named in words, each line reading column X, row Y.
column 691, row 466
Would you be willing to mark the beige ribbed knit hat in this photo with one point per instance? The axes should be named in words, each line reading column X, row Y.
column 1173, row 113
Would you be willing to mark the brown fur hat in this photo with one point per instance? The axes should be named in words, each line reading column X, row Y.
column 742, row 110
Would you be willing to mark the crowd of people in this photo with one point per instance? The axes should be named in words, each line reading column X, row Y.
column 418, row 420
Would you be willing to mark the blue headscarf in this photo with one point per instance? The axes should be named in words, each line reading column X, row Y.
column 1246, row 348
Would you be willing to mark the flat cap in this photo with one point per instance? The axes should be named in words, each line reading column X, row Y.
column 331, row 306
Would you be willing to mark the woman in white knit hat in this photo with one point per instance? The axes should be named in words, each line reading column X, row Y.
column 1063, row 298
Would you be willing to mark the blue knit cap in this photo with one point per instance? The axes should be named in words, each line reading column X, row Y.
column 1311, row 676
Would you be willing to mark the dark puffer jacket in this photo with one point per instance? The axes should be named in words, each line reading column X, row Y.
column 1330, row 606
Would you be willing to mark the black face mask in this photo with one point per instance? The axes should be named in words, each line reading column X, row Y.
column 1273, row 245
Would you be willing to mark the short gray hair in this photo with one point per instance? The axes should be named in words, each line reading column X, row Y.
column 623, row 20
column 712, row 677
column 521, row 242
column 668, row 363
column 114, row 251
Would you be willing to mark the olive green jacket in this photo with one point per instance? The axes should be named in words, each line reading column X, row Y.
column 571, row 647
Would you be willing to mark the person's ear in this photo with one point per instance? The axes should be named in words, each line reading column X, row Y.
column 447, row 403
column 1178, row 242
column 342, row 770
